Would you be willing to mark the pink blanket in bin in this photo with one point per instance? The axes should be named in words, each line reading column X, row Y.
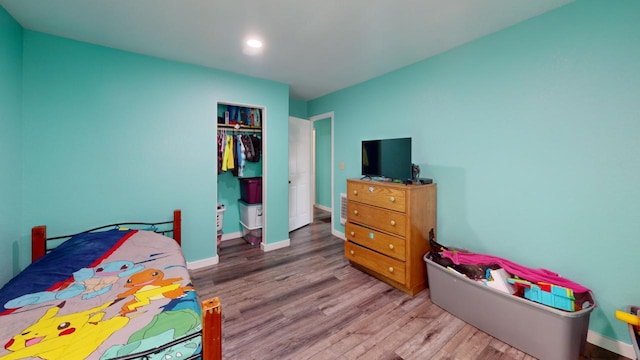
column 534, row 275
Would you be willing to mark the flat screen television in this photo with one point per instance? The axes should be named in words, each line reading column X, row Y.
column 387, row 158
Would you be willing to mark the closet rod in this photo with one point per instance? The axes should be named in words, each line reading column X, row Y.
column 239, row 132
column 239, row 127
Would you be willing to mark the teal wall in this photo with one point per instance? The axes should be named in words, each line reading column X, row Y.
column 298, row 108
column 10, row 143
column 323, row 162
column 532, row 136
column 114, row 135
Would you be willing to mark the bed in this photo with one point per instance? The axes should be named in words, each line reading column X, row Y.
column 120, row 291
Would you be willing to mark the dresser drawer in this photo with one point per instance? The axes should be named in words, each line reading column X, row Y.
column 375, row 217
column 383, row 243
column 384, row 265
column 377, row 195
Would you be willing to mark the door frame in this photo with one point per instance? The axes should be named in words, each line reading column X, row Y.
column 314, row 118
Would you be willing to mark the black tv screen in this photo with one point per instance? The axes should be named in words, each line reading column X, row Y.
column 387, row 158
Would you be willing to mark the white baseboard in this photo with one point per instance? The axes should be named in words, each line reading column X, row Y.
column 263, row 246
column 322, row 207
column 618, row 347
column 193, row 265
column 338, row 234
column 231, row 236
column 275, row 246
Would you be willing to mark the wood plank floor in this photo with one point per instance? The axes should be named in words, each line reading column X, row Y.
column 307, row 302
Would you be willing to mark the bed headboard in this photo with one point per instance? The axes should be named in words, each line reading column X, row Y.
column 39, row 238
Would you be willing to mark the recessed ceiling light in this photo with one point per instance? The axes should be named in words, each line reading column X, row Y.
column 254, row 43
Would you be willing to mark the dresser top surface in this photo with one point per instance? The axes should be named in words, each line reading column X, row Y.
column 389, row 184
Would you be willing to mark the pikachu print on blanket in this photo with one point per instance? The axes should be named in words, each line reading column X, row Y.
column 71, row 336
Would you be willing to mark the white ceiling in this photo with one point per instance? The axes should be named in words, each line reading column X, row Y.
column 316, row 47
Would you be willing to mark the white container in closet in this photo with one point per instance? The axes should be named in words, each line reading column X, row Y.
column 250, row 214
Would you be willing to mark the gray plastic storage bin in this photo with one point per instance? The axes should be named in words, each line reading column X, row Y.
column 538, row 330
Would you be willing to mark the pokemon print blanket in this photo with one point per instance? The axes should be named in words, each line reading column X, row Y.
column 102, row 295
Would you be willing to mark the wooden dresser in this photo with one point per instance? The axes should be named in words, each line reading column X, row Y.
column 387, row 231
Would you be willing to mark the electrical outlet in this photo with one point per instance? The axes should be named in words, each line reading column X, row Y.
column 341, row 165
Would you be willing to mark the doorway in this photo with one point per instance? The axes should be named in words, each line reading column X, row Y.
column 323, row 163
column 239, row 129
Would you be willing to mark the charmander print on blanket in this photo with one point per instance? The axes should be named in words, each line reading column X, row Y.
column 102, row 296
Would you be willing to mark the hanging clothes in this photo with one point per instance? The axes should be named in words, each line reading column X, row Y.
column 235, row 148
column 248, row 146
column 228, row 159
column 234, row 153
column 220, row 150
column 257, row 147
column 225, row 154
column 241, row 155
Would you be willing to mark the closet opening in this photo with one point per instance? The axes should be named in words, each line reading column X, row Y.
column 240, row 159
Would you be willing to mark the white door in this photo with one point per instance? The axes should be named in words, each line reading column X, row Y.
column 300, row 161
